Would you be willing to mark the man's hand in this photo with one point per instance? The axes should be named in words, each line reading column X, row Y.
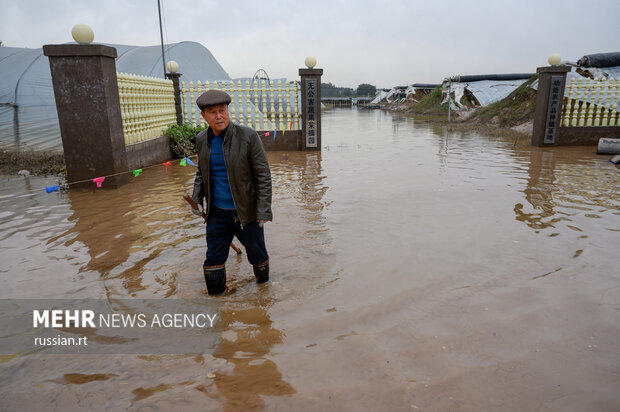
column 262, row 222
column 197, row 212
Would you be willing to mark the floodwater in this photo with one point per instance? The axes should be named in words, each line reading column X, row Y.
column 412, row 269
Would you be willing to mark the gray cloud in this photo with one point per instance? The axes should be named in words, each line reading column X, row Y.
column 384, row 43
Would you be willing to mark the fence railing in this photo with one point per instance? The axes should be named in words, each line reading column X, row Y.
column 147, row 106
column 591, row 103
column 260, row 105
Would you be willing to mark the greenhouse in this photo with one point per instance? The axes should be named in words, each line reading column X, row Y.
column 28, row 117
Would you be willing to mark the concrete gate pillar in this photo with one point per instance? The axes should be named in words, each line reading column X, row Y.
column 89, row 113
column 311, row 109
column 549, row 100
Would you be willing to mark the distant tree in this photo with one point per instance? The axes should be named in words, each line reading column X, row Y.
column 366, row 89
column 327, row 89
column 330, row 90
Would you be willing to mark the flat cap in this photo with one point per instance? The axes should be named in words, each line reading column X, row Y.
column 212, row 98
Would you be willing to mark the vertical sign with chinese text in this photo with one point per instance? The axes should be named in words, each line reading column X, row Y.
column 553, row 112
column 312, row 112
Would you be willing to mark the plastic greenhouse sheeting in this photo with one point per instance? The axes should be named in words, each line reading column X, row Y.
column 485, row 91
column 27, row 106
column 486, row 88
column 381, row 94
column 28, row 117
column 479, row 77
column 601, row 73
column 491, row 91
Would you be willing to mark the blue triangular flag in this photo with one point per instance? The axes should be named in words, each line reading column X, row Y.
column 51, row 189
column 190, row 162
column 274, row 134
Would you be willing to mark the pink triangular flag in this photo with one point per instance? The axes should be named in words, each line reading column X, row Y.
column 99, row 180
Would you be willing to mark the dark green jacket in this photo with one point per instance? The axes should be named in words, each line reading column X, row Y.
column 248, row 172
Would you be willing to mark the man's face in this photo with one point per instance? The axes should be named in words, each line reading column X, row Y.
column 216, row 117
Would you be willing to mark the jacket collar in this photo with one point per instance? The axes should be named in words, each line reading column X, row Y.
column 224, row 134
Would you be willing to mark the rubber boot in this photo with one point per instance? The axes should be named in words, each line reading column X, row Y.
column 215, row 278
column 261, row 272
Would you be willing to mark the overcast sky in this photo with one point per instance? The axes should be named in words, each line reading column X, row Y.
column 384, row 43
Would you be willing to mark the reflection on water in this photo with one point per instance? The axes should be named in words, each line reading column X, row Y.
column 561, row 187
column 412, row 267
column 248, row 338
column 539, row 192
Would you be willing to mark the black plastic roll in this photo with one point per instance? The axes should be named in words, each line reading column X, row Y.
column 600, row 60
column 479, row 77
column 425, row 85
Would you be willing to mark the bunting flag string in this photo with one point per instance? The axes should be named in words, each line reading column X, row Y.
column 290, row 127
column 99, row 180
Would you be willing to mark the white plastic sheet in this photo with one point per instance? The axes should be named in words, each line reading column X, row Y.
column 381, row 94
column 485, row 91
column 28, row 117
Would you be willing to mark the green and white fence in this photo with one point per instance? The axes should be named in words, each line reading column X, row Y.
column 147, row 106
column 573, row 110
column 261, row 105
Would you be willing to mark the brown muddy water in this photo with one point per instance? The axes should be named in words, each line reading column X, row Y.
column 412, row 269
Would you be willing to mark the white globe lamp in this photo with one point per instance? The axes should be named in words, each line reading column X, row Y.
column 554, row 59
column 172, row 66
column 82, row 34
column 310, row 62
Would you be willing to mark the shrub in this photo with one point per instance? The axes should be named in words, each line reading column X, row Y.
column 183, row 139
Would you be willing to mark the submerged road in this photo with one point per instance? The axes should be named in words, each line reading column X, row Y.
column 412, row 269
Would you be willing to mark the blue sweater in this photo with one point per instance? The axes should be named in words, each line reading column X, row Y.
column 222, row 197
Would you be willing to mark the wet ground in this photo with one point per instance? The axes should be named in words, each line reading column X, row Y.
column 412, row 269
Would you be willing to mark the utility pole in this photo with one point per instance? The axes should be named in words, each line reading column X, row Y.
column 449, row 97
column 161, row 34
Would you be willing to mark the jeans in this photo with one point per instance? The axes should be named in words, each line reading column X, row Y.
column 222, row 226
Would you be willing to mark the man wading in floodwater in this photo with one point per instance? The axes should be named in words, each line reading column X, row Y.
column 233, row 175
